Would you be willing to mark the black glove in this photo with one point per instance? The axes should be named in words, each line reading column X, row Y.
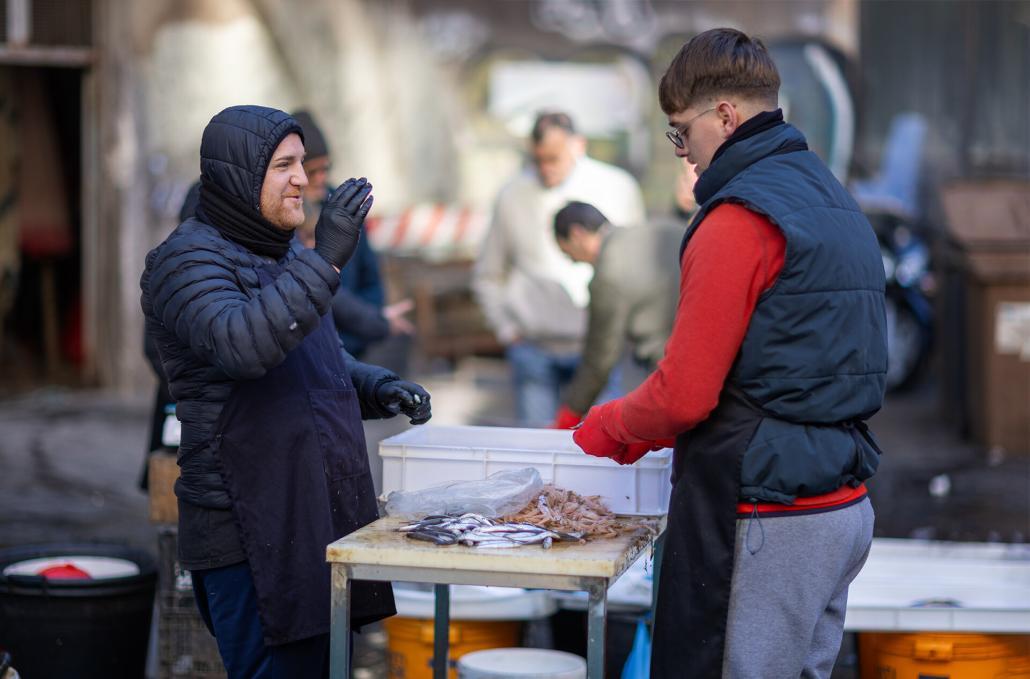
column 400, row 396
column 339, row 225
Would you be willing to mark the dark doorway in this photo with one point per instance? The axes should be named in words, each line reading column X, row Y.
column 41, row 337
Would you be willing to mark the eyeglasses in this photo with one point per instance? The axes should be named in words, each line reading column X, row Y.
column 679, row 135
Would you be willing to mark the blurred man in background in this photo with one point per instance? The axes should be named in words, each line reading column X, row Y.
column 777, row 356
column 358, row 306
column 534, row 297
column 684, row 204
column 163, row 413
column 632, row 297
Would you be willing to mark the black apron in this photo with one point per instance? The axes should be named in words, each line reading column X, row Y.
column 700, row 544
column 293, row 456
column 697, row 565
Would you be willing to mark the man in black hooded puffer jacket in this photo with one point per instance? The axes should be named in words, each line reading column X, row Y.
column 272, row 455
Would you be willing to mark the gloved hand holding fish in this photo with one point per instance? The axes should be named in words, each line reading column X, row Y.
column 476, row 530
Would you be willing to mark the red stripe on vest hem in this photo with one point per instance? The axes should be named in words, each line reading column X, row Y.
column 842, row 496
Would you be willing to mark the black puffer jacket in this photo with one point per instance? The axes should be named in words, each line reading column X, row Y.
column 211, row 320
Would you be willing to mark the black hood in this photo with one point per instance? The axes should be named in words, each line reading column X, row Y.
column 237, row 146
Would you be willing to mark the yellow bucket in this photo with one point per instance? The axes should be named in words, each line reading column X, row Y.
column 944, row 655
column 1019, row 668
column 409, row 646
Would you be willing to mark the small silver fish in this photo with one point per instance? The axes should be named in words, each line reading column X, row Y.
column 479, row 518
column 474, row 538
column 497, row 544
column 527, row 526
column 410, row 527
column 532, row 539
column 500, row 529
column 476, row 530
column 436, row 538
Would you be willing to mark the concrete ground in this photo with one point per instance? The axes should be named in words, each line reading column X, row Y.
column 70, row 462
column 932, row 485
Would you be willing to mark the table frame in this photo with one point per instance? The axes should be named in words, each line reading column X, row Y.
column 596, row 586
column 344, row 573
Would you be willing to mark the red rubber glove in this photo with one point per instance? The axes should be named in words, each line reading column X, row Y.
column 635, row 451
column 566, row 419
column 592, row 437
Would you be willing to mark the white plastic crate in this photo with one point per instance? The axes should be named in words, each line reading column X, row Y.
column 425, row 456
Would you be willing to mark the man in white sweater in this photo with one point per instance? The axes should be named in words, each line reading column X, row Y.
column 533, row 296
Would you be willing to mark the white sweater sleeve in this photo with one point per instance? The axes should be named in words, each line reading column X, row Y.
column 490, row 276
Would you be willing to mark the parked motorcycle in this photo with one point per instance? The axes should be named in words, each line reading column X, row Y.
column 910, row 282
column 890, row 199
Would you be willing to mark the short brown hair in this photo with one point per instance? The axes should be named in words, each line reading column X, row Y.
column 551, row 120
column 719, row 61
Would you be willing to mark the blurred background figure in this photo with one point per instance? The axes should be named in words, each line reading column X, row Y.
column 164, row 426
column 359, row 308
column 632, row 297
column 10, row 220
column 684, row 203
column 533, row 297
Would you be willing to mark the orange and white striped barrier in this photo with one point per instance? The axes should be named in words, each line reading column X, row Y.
column 450, row 229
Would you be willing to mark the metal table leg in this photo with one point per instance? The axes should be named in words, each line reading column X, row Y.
column 339, row 625
column 441, row 630
column 596, row 622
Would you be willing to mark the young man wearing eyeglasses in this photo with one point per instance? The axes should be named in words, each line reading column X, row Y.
column 777, row 357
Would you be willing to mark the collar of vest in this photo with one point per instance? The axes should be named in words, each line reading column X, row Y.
column 741, row 155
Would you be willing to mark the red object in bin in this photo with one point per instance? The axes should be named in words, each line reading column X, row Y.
column 65, row 571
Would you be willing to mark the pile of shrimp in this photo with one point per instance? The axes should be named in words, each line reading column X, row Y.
column 570, row 512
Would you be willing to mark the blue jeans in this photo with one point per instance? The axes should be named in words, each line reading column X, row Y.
column 228, row 603
column 539, row 376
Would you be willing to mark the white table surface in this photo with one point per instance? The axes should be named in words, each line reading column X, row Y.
column 926, row 585
column 906, row 585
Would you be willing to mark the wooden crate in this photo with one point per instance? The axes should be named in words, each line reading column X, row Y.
column 448, row 321
column 185, row 646
column 163, row 472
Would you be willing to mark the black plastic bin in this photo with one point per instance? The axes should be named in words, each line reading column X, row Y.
column 77, row 628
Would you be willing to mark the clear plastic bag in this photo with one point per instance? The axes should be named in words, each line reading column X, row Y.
column 501, row 493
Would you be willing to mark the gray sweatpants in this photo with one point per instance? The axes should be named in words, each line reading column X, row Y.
column 790, row 591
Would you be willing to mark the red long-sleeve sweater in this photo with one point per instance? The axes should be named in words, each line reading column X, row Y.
column 731, row 260
column 727, row 265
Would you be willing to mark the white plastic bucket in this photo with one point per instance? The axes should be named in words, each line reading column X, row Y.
column 96, row 567
column 473, row 602
column 521, row 663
